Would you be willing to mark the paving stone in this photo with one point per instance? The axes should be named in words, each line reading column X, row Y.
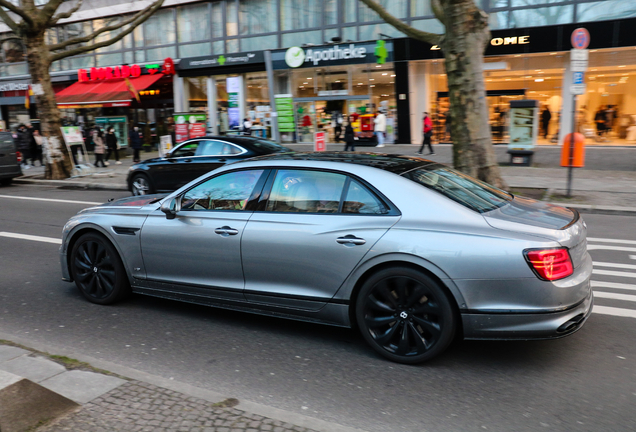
column 83, row 386
column 8, row 353
column 34, row 368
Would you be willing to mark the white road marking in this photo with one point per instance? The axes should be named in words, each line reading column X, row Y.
column 614, row 273
column 615, row 265
column 51, row 200
column 632, row 257
column 31, row 237
column 606, row 310
column 607, row 247
column 606, row 240
column 602, row 284
column 614, row 296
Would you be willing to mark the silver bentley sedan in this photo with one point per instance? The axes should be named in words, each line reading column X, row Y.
column 410, row 251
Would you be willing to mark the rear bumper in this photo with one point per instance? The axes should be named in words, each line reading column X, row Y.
column 523, row 326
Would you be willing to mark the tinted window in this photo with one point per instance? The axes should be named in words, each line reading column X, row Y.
column 306, row 191
column 467, row 191
column 266, row 146
column 216, row 148
column 186, row 150
column 226, row 192
column 360, row 200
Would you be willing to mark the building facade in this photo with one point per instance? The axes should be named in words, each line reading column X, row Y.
column 410, row 79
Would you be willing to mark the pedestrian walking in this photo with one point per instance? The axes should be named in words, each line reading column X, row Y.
column 247, row 127
column 98, row 139
column 349, row 136
column 112, row 146
column 24, row 145
column 546, row 116
column 135, row 143
column 380, row 128
column 36, row 148
column 428, row 133
column 599, row 119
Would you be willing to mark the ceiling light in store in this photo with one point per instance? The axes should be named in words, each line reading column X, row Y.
column 593, row 50
column 541, row 72
column 488, row 80
column 305, row 83
column 518, row 55
column 301, row 86
column 378, row 66
column 538, row 80
column 622, row 66
column 528, row 76
column 359, row 83
column 309, row 78
column 387, row 73
column 337, row 80
column 592, row 78
column 371, row 79
column 393, row 75
column 594, row 70
column 601, row 75
column 391, row 82
column 532, row 91
column 507, row 79
column 372, row 85
column 553, row 53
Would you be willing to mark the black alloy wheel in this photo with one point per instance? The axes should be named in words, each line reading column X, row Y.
column 141, row 185
column 405, row 315
column 98, row 271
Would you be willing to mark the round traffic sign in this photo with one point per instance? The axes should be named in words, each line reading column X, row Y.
column 580, row 38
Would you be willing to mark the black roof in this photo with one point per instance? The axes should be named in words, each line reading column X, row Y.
column 396, row 164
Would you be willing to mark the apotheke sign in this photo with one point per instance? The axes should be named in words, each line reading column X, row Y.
column 378, row 52
column 295, row 56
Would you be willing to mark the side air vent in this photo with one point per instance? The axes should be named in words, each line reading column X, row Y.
column 125, row 230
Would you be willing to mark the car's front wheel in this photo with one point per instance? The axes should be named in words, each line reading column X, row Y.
column 97, row 270
column 405, row 315
column 141, row 185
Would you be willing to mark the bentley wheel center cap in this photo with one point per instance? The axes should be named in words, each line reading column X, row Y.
column 404, row 315
column 95, row 269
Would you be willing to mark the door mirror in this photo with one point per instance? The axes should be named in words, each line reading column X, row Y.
column 171, row 207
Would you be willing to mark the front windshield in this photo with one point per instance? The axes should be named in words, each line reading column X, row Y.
column 467, row 191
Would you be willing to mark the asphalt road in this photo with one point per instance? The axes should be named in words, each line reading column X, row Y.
column 585, row 382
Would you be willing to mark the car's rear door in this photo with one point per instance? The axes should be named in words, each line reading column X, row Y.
column 301, row 247
column 8, row 161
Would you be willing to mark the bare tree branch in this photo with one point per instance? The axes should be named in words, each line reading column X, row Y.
column 134, row 21
column 16, row 10
column 4, row 16
column 67, row 14
column 431, row 38
column 438, row 11
column 139, row 18
column 8, row 38
column 49, row 9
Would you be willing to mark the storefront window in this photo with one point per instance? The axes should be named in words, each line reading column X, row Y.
column 82, row 62
column 296, row 39
column 350, row 34
column 189, row 22
column 231, row 18
column 370, row 32
column 217, row 19
column 101, row 23
column 231, row 46
column 350, row 8
column 498, row 20
column 109, row 59
column 330, row 11
column 300, row 14
column 218, row 47
column 541, row 16
column 194, row 50
column 197, row 93
column 158, row 54
column 397, row 8
column 257, row 100
column 13, row 51
column 605, row 10
column 159, row 29
column 259, row 43
column 258, row 16
column 429, row 25
column 420, row 8
column 76, row 30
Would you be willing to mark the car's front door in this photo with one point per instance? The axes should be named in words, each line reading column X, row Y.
column 199, row 251
column 172, row 172
column 315, row 227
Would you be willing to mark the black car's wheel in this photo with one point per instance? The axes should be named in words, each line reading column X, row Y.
column 405, row 315
column 141, row 185
column 6, row 181
column 98, row 271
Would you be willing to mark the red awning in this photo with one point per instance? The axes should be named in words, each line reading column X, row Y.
column 109, row 93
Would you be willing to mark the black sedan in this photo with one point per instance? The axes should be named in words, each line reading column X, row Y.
column 192, row 159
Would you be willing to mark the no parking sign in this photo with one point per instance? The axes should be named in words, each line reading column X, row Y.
column 580, row 38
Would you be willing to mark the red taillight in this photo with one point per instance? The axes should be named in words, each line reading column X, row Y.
column 550, row 264
column 19, row 156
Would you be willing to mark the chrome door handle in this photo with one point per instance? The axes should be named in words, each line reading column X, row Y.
column 350, row 240
column 226, row 231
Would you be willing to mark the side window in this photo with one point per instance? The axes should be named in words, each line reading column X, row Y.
column 304, row 191
column 361, row 201
column 226, row 192
column 186, row 150
column 216, row 148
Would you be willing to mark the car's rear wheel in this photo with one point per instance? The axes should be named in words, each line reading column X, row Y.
column 405, row 315
column 141, row 185
column 98, row 271
column 6, row 181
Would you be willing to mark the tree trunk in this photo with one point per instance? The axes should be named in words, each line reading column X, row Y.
column 55, row 152
column 467, row 35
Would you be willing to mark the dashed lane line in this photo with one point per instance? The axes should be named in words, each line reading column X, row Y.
column 31, row 237
column 615, row 265
column 616, row 285
column 606, row 310
column 607, row 240
column 609, row 247
column 615, row 296
column 51, row 200
column 613, row 273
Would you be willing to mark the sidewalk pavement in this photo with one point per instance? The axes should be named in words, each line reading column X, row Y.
column 606, row 185
column 44, row 393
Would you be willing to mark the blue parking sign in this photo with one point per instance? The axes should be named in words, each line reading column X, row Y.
column 577, row 77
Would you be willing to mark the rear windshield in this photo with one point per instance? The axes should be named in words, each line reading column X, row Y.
column 268, row 146
column 467, row 191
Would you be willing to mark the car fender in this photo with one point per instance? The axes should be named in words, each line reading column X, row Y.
column 377, row 262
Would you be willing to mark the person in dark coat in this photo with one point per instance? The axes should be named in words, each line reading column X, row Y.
column 111, row 145
column 546, row 116
column 24, row 145
column 349, row 136
column 135, row 143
